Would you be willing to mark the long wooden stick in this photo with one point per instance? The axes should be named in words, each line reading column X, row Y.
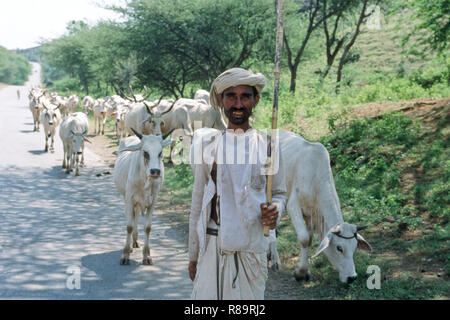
column 278, row 51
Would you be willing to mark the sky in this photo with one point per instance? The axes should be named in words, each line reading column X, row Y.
column 25, row 23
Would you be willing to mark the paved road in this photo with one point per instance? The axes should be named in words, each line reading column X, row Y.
column 56, row 229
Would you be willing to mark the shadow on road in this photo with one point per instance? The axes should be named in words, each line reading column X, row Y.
column 37, row 152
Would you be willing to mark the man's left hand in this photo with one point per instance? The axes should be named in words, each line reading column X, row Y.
column 269, row 215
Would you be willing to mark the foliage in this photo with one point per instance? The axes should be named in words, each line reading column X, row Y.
column 88, row 54
column 368, row 159
column 182, row 42
column 435, row 21
column 32, row 54
column 14, row 69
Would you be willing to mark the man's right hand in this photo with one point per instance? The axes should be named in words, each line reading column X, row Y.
column 192, row 269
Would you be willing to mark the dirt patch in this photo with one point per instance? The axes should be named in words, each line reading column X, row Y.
column 413, row 108
column 3, row 85
column 105, row 146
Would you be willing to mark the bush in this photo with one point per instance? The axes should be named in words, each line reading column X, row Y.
column 365, row 157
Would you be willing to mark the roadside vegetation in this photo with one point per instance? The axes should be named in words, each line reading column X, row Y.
column 381, row 108
column 14, row 69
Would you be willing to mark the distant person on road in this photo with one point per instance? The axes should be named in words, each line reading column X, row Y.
column 18, row 94
column 227, row 246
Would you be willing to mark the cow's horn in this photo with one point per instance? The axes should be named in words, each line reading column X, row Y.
column 137, row 134
column 336, row 229
column 359, row 228
column 148, row 108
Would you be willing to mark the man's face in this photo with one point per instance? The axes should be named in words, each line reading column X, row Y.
column 237, row 103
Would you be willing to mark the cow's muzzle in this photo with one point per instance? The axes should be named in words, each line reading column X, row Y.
column 155, row 173
column 351, row 279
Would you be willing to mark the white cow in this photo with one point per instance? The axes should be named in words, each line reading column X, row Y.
column 72, row 133
column 313, row 206
column 62, row 103
column 201, row 115
column 72, row 103
column 100, row 110
column 88, row 104
column 202, row 94
column 120, row 114
column 138, row 176
column 50, row 119
column 146, row 118
column 35, row 105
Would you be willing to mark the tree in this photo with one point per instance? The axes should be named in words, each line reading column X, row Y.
column 333, row 41
column 66, row 53
column 310, row 17
column 363, row 14
column 185, row 42
column 435, row 20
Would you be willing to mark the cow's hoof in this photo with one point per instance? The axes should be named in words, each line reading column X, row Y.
column 124, row 261
column 307, row 277
column 147, row 261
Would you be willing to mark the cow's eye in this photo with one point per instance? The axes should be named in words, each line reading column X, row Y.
column 146, row 155
column 339, row 248
column 160, row 154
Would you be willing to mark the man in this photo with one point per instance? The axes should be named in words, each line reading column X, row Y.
column 227, row 247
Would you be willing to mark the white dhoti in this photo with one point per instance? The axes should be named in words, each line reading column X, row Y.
column 229, row 275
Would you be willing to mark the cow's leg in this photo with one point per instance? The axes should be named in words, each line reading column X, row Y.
column 273, row 252
column 129, row 212
column 135, row 229
column 52, row 145
column 301, row 273
column 77, row 164
column 38, row 114
column 103, row 124
column 46, row 142
column 34, row 121
column 95, row 125
column 82, row 154
column 69, row 160
column 147, row 260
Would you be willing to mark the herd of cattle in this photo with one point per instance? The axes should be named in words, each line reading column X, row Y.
column 143, row 127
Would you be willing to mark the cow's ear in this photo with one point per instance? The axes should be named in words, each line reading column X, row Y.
column 323, row 245
column 362, row 243
column 166, row 143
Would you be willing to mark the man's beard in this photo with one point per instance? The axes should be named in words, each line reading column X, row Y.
column 241, row 120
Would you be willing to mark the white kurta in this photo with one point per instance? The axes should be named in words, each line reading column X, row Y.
column 232, row 265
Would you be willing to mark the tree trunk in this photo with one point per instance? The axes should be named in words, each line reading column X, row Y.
column 350, row 44
column 293, row 79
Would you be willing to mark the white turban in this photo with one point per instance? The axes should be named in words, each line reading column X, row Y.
column 232, row 78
